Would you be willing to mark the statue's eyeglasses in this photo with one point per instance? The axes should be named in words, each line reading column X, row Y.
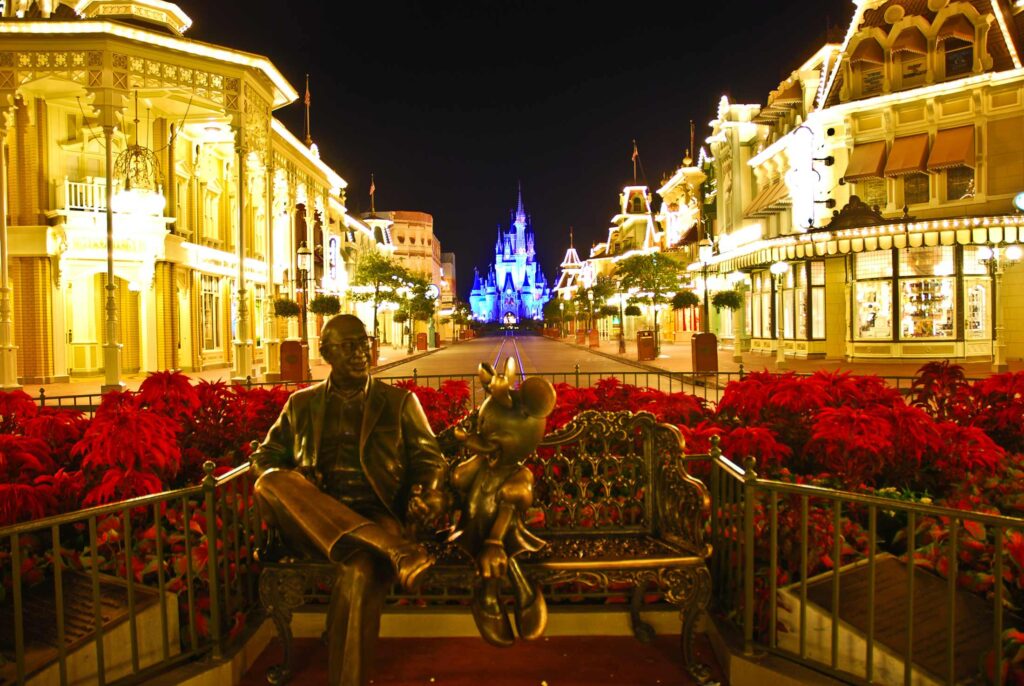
column 350, row 345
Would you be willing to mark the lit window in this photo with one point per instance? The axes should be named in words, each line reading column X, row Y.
column 959, row 183
column 959, row 56
column 211, row 312
column 872, row 192
column 915, row 189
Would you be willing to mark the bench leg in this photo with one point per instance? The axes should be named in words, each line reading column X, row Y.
column 643, row 631
column 281, row 591
column 690, row 590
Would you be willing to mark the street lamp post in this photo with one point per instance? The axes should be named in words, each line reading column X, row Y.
column 622, row 325
column 996, row 258
column 304, row 262
column 561, row 319
column 590, row 310
column 704, row 252
column 778, row 270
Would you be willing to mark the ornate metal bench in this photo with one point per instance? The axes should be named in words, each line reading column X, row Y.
column 621, row 516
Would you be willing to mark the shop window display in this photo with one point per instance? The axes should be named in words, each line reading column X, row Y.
column 959, row 183
column 872, row 192
column 873, row 308
column 818, row 300
column 928, row 308
column 915, row 189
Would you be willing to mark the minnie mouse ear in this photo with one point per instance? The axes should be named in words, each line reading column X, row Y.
column 486, row 374
column 537, row 396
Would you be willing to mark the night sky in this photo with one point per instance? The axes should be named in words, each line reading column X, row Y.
column 449, row 104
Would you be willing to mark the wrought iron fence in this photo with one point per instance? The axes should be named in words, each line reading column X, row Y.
column 186, row 554
column 768, row 578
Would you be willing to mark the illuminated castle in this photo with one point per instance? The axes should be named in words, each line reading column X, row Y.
column 515, row 287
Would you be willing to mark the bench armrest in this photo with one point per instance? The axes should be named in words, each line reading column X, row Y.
column 682, row 503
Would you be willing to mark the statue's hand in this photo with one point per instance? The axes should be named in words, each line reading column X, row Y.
column 425, row 504
column 493, row 561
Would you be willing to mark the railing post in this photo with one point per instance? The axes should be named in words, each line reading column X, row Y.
column 741, row 371
column 42, row 397
column 209, row 494
column 577, row 384
column 248, row 382
column 415, row 376
column 749, row 483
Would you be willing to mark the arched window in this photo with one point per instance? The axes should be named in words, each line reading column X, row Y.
column 866, row 62
column 910, row 57
column 638, row 205
column 956, row 40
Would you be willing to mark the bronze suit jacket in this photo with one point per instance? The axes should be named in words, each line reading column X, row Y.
column 397, row 449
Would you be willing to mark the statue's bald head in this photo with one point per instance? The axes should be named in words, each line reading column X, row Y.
column 343, row 326
column 344, row 346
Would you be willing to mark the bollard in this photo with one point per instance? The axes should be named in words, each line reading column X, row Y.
column 209, row 492
column 749, row 481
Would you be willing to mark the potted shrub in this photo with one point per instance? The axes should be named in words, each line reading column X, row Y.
column 730, row 300
column 325, row 305
column 684, row 299
column 284, row 307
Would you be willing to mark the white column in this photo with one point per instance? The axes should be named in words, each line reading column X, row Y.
column 243, row 341
column 999, row 364
column 8, row 351
column 111, row 348
column 271, row 345
column 147, row 325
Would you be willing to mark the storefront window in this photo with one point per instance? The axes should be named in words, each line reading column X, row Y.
column 873, row 308
column 818, row 300
column 959, row 183
column 928, row 307
column 873, row 296
column 977, row 302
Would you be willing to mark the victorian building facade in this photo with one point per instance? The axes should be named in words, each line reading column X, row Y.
column 867, row 209
column 136, row 154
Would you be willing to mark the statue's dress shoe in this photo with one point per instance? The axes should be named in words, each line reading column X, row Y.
column 491, row 620
column 532, row 619
column 410, row 561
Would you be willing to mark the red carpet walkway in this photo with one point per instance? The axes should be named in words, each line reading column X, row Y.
column 558, row 661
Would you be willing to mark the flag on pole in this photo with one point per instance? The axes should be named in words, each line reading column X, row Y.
column 307, row 99
column 636, row 153
column 373, row 187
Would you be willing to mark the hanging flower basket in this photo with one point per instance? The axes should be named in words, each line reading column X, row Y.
column 684, row 299
column 325, row 305
column 401, row 317
column 730, row 300
column 283, row 307
column 632, row 311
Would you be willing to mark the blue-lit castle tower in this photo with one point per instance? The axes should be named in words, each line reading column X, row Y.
column 515, row 287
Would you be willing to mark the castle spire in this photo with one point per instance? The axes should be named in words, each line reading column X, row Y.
column 520, row 210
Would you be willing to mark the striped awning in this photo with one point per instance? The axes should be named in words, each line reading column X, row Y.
column 908, row 155
column 867, row 161
column 953, row 148
column 957, row 26
column 772, row 198
column 910, row 40
column 846, row 242
column 868, row 50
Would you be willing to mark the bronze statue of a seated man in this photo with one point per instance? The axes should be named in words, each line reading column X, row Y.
column 348, row 469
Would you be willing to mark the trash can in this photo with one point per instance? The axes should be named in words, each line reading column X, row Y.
column 421, row 341
column 704, row 353
column 595, row 338
column 374, row 352
column 581, row 336
column 437, row 339
column 645, row 346
column 294, row 361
